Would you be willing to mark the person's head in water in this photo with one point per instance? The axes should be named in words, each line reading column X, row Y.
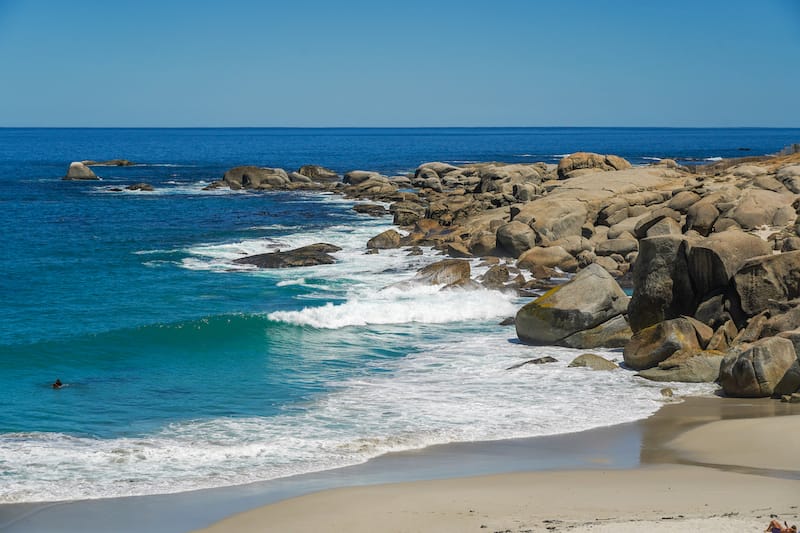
column 57, row 384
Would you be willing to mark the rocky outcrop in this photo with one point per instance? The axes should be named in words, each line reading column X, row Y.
column 314, row 254
column 581, row 162
column 251, row 177
column 79, row 171
column 587, row 301
column 318, row 173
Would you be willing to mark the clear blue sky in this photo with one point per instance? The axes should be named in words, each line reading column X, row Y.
column 400, row 63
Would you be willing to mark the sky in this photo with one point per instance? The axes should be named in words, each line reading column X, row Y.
column 313, row 63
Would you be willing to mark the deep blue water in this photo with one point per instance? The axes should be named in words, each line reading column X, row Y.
column 132, row 299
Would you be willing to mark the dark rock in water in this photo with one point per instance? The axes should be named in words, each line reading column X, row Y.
column 79, row 171
column 318, row 173
column 537, row 361
column 140, row 187
column 414, row 250
column 214, row 185
column 314, row 254
column 508, row 321
column 373, row 210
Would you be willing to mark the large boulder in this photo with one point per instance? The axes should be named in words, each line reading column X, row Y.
column 79, row 171
column 556, row 217
column 318, row 173
column 516, row 237
column 662, row 289
column 613, row 333
column 686, row 367
column 445, row 272
column 407, row 213
column 759, row 207
column 653, row 344
column 701, row 216
column 496, row 177
column 714, row 260
column 376, row 186
column 385, row 241
column 439, row 169
column 251, row 177
column 621, row 246
column 591, row 298
column 758, row 371
column 314, row 254
column 355, row 177
column 765, row 278
column 572, row 164
column 550, row 257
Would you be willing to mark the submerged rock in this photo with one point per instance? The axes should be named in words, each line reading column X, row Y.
column 538, row 361
column 140, row 187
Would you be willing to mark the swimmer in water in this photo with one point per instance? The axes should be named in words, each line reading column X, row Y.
column 57, row 384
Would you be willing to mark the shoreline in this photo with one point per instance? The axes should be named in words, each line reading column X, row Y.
column 620, row 448
column 697, row 484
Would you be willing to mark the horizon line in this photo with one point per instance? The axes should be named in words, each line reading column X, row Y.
column 393, row 127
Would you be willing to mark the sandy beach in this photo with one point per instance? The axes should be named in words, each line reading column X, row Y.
column 703, row 469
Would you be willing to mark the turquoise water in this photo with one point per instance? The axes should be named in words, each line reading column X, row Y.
column 184, row 370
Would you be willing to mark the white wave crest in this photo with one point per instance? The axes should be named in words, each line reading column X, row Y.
column 425, row 304
column 454, row 389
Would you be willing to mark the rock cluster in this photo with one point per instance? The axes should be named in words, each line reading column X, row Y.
column 712, row 254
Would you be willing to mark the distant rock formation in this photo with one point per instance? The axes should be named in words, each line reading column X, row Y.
column 79, row 171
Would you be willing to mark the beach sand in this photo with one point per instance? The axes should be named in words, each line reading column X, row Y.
column 703, row 469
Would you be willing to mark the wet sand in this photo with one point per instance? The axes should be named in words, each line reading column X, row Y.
column 702, row 469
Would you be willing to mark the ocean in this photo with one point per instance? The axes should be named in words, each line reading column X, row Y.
column 183, row 370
